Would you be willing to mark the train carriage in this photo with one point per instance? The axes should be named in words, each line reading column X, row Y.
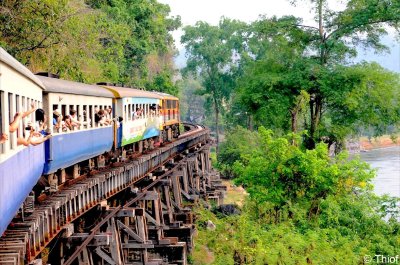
column 140, row 112
column 90, row 139
column 20, row 166
column 169, row 112
column 145, row 120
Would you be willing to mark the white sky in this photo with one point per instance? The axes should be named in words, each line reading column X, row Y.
column 211, row 11
column 249, row 10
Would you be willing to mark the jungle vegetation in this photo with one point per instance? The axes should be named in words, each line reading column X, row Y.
column 291, row 77
column 300, row 82
column 116, row 41
column 304, row 207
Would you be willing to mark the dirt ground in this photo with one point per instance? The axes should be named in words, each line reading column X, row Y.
column 379, row 142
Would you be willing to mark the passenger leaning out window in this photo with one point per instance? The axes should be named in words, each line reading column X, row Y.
column 74, row 119
column 57, row 120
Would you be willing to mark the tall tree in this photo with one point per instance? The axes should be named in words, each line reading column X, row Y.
column 315, row 60
column 213, row 53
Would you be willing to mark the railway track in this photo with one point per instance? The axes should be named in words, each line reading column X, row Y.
column 141, row 204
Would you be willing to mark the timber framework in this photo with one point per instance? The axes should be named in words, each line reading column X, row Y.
column 136, row 212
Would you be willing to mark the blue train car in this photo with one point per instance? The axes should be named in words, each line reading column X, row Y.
column 20, row 165
column 89, row 137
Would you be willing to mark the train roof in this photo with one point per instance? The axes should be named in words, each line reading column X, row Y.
column 165, row 95
column 6, row 58
column 124, row 92
column 56, row 85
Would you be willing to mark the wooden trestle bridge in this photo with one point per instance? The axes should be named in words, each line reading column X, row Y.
column 137, row 211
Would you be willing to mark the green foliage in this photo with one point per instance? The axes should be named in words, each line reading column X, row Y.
column 191, row 101
column 94, row 40
column 304, row 208
column 284, row 174
column 162, row 82
column 211, row 56
column 239, row 145
column 342, row 239
column 291, row 59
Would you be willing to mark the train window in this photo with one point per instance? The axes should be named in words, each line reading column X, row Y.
column 124, row 114
column 133, row 111
column 10, row 107
column 83, row 117
column 91, row 116
column 17, row 104
column 130, row 112
column 1, row 121
column 23, row 102
column 63, row 110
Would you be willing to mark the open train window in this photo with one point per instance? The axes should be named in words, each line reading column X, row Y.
column 23, row 103
column 11, row 112
column 2, row 121
column 10, row 108
column 63, row 110
column 91, row 116
column 84, row 117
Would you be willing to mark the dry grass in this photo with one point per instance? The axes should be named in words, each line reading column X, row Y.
column 234, row 195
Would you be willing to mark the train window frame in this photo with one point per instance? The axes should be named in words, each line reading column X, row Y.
column 2, row 122
column 85, row 123
column 91, row 115
column 12, row 137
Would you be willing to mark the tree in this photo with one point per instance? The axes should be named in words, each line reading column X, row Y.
column 191, row 102
column 213, row 56
column 314, row 60
column 94, row 40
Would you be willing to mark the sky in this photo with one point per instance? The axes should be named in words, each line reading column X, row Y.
column 211, row 11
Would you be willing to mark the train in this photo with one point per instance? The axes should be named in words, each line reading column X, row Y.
column 53, row 130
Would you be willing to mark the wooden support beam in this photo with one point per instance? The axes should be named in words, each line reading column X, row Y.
column 137, row 246
column 125, row 212
column 149, row 195
column 102, row 239
column 151, row 219
column 177, row 190
column 104, row 256
column 115, row 244
column 130, row 232
column 168, row 204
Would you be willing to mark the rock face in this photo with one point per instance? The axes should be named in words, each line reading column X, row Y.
column 227, row 209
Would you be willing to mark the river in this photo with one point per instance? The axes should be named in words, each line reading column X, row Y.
column 387, row 163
